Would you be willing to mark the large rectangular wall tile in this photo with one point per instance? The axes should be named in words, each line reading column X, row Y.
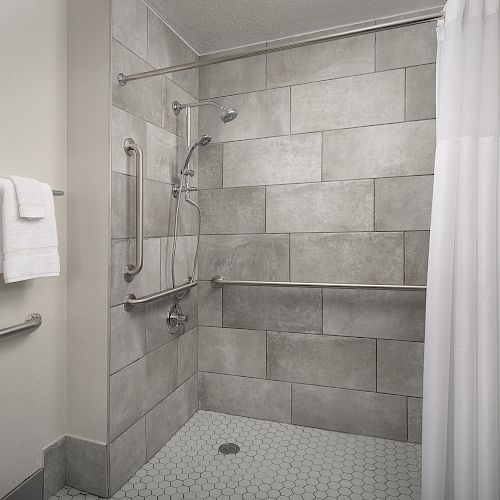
column 416, row 257
column 379, row 151
column 374, row 313
column 269, row 308
column 166, row 151
column 124, row 125
column 86, row 465
column 157, row 332
column 127, row 454
column 421, row 92
column 122, row 206
column 320, row 207
column 187, row 348
column 232, row 351
column 161, row 374
column 252, row 257
column 54, row 467
column 143, row 100
column 233, row 211
column 260, row 114
column 406, row 46
column 322, row 61
column 146, row 282
column 415, row 420
column 321, row 360
column 233, row 77
column 127, row 336
column 165, row 48
column 130, row 25
column 400, row 367
column 184, row 257
column 210, row 160
column 165, row 419
column 273, row 160
column 403, row 203
column 356, row 412
column 347, row 258
column 355, row 101
column 127, row 403
column 209, row 304
column 248, row 397
column 158, row 203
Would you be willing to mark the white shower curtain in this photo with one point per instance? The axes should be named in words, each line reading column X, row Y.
column 461, row 416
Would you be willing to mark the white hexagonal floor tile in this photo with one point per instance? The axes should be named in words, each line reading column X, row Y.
column 275, row 460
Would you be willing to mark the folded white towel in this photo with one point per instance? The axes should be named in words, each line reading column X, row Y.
column 28, row 248
column 29, row 197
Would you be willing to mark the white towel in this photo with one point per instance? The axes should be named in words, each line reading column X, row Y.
column 28, row 248
column 29, row 197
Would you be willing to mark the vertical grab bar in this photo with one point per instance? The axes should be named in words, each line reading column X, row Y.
column 132, row 270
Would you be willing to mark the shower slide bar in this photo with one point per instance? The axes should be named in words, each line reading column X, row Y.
column 31, row 323
column 124, row 79
column 131, row 148
column 219, row 281
column 131, row 301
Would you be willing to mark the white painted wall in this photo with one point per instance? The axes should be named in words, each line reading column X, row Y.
column 89, row 156
column 33, row 143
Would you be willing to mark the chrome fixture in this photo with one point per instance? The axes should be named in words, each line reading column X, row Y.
column 202, row 141
column 57, row 192
column 131, row 301
column 31, row 323
column 132, row 270
column 176, row 319
column 124, row 79
column 226, row 114
column 218, row 281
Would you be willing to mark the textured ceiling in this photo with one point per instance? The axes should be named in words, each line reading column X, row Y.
column 214, row 25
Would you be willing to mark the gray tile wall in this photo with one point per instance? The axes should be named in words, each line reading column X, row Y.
column 153, row 374
column 326, row 175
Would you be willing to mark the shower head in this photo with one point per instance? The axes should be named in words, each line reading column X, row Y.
column 226, row 114
column 204, row 140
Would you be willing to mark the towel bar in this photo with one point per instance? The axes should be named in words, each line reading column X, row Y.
column 31, row 323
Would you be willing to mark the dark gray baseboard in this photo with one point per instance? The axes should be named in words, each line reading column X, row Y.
column 29, row 489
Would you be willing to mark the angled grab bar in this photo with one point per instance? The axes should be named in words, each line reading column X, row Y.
column 31, row 323
column 219, row 281
column 132, row 270
column 131, row 301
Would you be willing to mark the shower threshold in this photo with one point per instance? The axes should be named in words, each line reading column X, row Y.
column 274, row 460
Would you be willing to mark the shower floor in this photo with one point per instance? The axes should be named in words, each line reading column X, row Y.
column 275, row 460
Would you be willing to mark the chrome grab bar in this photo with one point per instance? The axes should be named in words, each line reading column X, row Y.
column 218, row 281
column 131, row 301
column 132, row 270
column 31, row 323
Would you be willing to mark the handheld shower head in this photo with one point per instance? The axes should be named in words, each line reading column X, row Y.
column 201, row 141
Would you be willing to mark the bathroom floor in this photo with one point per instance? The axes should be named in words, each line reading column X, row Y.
column 275, row 460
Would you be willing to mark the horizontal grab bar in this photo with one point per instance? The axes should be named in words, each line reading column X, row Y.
column 31, row 323
column 131, row 301
column 219, row 281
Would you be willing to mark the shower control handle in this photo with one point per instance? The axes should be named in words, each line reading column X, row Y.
column 176, row 318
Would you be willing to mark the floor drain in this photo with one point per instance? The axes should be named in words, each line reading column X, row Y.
column 229, row 449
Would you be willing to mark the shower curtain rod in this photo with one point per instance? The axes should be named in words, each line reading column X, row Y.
column 124, row 79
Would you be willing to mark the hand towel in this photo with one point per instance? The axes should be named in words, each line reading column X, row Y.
column 28, row 247
column 29, row 197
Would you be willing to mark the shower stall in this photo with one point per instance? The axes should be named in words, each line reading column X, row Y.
column 268, row 238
